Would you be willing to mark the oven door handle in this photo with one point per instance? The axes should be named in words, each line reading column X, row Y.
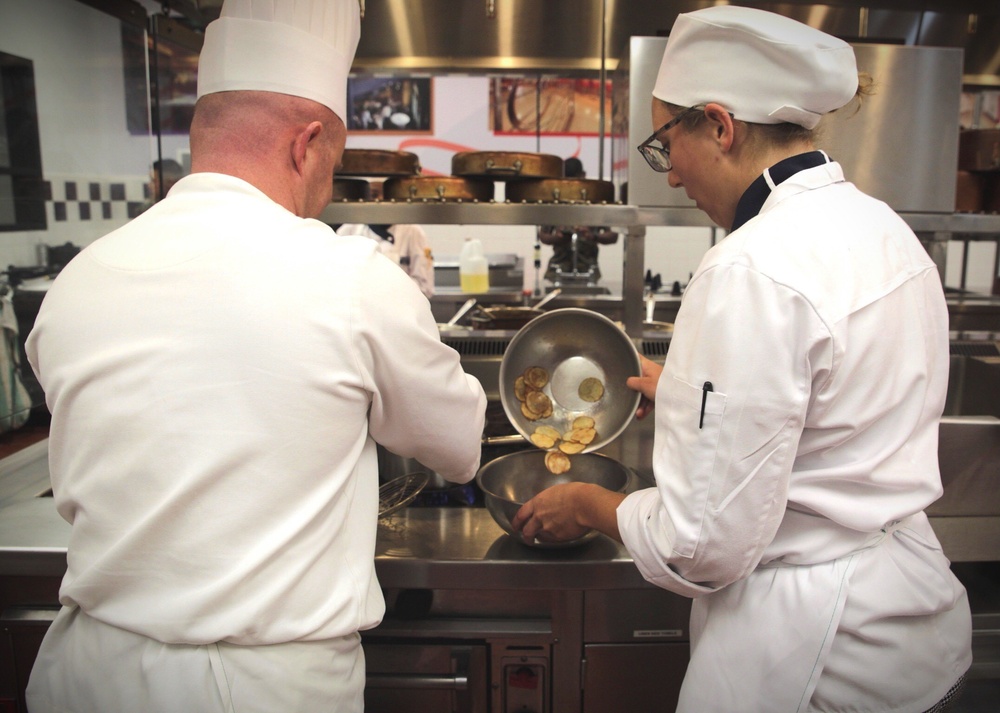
column 425, row 682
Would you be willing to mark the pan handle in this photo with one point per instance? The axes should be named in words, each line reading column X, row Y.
column 515, row 169
column 503, row 440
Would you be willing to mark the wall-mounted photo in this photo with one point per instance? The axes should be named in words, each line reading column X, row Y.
column 547, row 105
column 390, row 105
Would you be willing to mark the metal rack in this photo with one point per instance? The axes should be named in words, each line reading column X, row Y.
column 935, row 229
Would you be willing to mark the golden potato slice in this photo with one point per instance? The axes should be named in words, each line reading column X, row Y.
column 556, row 462
column 591, row 389
column 519, row 388
column 536, row 377
column 571, row 447
column 548, row 412
column 549, row 431
column 528, row 413
column 582, row 435
column 542, row 440
column 537, row 402
column 583, row 422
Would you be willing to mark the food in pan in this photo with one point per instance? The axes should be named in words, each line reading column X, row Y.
column 556, row 462
column 536, row 405
column 536, row 377
column 591, row 389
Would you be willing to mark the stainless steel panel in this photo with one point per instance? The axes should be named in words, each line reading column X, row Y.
column 566, row 36
column 635, row 616
column 425, row 678
column 901, row 147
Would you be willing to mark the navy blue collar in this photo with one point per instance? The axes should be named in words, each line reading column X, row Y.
column 754, row 197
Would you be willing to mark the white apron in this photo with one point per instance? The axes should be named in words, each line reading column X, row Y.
column 137, row 673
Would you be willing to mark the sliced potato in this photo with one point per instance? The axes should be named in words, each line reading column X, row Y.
column 519, row 388
column 549, row 431
column 571, row 447
column 547, row 413
column 542, row 441
column 556, row 462
column 536, row 377
column 537, row 402
column 583, row 422
column 591, row 389
column 528, row 413
column 582, row 435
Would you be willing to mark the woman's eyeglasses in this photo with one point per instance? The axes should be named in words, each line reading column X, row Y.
column 658, row 157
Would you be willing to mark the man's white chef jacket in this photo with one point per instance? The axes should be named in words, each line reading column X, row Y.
column 796, row 448
column 219, row 372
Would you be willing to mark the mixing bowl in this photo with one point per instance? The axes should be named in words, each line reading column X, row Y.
column 512, row 480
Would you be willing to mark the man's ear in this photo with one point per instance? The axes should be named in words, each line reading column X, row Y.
column 303, row 142
column 723, row 126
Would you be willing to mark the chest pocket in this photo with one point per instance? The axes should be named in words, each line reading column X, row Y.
column 694, row 422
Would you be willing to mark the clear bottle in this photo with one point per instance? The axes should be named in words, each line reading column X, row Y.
column 473, row 268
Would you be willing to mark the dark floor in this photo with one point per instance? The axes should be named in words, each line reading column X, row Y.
column 979, row 697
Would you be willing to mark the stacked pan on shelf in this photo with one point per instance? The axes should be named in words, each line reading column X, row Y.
column 529, row 177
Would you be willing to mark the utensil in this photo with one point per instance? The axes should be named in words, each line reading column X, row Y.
column 548, row 298
column 400, row 492
column 469, row 304
column 571, row 345
column 512, row 480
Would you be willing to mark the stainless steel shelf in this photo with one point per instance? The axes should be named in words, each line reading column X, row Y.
column 617, row 214
column 492, row 213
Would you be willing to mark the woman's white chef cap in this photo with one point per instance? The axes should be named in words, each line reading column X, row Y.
column 299, row 47
column 762, row 67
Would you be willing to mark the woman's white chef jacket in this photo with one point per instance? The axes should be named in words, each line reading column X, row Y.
column 790, row 493
column 409, row 249
column 219, row 372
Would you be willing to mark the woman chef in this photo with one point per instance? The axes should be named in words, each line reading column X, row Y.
column 797, row 411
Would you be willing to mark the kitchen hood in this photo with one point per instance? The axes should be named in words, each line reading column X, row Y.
column 585, row 37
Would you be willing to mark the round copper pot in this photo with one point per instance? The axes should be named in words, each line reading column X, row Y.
column 437, row 188
column 561, row 190
column 506, row 165
column 376, row 162
column 351, row 189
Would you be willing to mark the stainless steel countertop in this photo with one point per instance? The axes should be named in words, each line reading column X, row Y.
column 464, row 548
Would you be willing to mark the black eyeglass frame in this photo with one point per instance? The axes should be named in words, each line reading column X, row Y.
column 658, row 157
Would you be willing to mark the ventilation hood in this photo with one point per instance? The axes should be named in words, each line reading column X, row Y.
column 569, row 37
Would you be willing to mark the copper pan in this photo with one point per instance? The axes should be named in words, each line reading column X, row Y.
column 561, row 190
column 351, row 189
column 506, row 165
column 376, row 162
column 437, row 188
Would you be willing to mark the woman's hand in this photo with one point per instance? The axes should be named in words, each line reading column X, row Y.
column 567, row 511
column 645, row 385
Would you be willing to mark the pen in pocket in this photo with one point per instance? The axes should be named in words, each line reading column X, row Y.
column 704, row 399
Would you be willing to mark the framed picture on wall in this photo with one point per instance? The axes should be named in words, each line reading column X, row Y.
column 551, row 106
column 390, row 105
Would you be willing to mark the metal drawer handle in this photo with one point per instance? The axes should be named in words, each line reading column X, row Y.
column 457, row 682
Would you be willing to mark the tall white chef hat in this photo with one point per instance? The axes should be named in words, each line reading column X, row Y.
column 764, row 68
column 299, row 47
